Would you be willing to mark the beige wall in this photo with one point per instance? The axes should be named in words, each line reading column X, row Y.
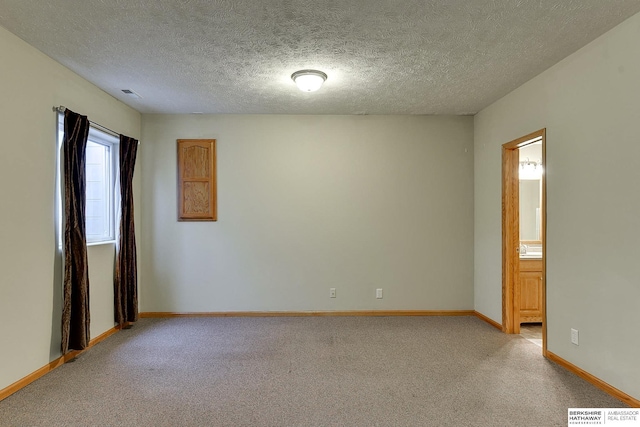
column 306, row 203
column 30, row 296
column 590, row 105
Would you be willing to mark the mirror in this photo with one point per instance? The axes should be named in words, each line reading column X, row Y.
column 530, row 193
column 530, row 198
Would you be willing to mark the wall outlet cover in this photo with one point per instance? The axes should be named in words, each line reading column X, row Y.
column 379, row 293
column 574, row 336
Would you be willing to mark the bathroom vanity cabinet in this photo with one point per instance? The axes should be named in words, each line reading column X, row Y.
column 529, row 291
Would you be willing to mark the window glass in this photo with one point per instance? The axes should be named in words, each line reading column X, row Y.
column 100, row 164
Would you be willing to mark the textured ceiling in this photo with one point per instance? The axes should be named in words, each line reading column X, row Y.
column 381, row 56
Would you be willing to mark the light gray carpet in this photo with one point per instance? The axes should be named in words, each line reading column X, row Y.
column 306, row 371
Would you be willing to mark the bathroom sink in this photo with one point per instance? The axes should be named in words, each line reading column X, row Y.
column 531, row 255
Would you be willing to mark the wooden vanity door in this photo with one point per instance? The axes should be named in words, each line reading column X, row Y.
column 530, row 298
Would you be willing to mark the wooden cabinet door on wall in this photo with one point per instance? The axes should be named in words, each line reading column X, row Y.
column 197, row 180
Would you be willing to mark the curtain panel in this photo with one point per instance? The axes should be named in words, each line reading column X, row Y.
column 126, row 271
column 75, row 311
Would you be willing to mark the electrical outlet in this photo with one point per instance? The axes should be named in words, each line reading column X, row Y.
column 379, row 293
column 332, row 292
column 574, row 336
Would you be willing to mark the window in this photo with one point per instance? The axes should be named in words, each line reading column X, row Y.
column 100, row 166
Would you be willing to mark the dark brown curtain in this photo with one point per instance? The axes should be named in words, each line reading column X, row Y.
column 75, row 310
column 126, row 276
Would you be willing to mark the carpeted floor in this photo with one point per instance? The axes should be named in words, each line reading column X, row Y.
column 306, row 371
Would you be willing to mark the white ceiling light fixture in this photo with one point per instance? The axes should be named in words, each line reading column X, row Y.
column 309, row 80
column 530, row 170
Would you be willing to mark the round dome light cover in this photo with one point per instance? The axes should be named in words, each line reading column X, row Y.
column 309, row 80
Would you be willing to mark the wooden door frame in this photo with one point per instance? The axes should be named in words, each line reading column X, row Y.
column 511, row 233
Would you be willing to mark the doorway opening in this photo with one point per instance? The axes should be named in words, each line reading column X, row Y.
column 524, row 234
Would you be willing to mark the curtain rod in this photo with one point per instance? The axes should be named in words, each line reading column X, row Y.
column 62, row 109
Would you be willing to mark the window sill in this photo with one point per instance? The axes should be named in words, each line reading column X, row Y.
column 106, row 242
